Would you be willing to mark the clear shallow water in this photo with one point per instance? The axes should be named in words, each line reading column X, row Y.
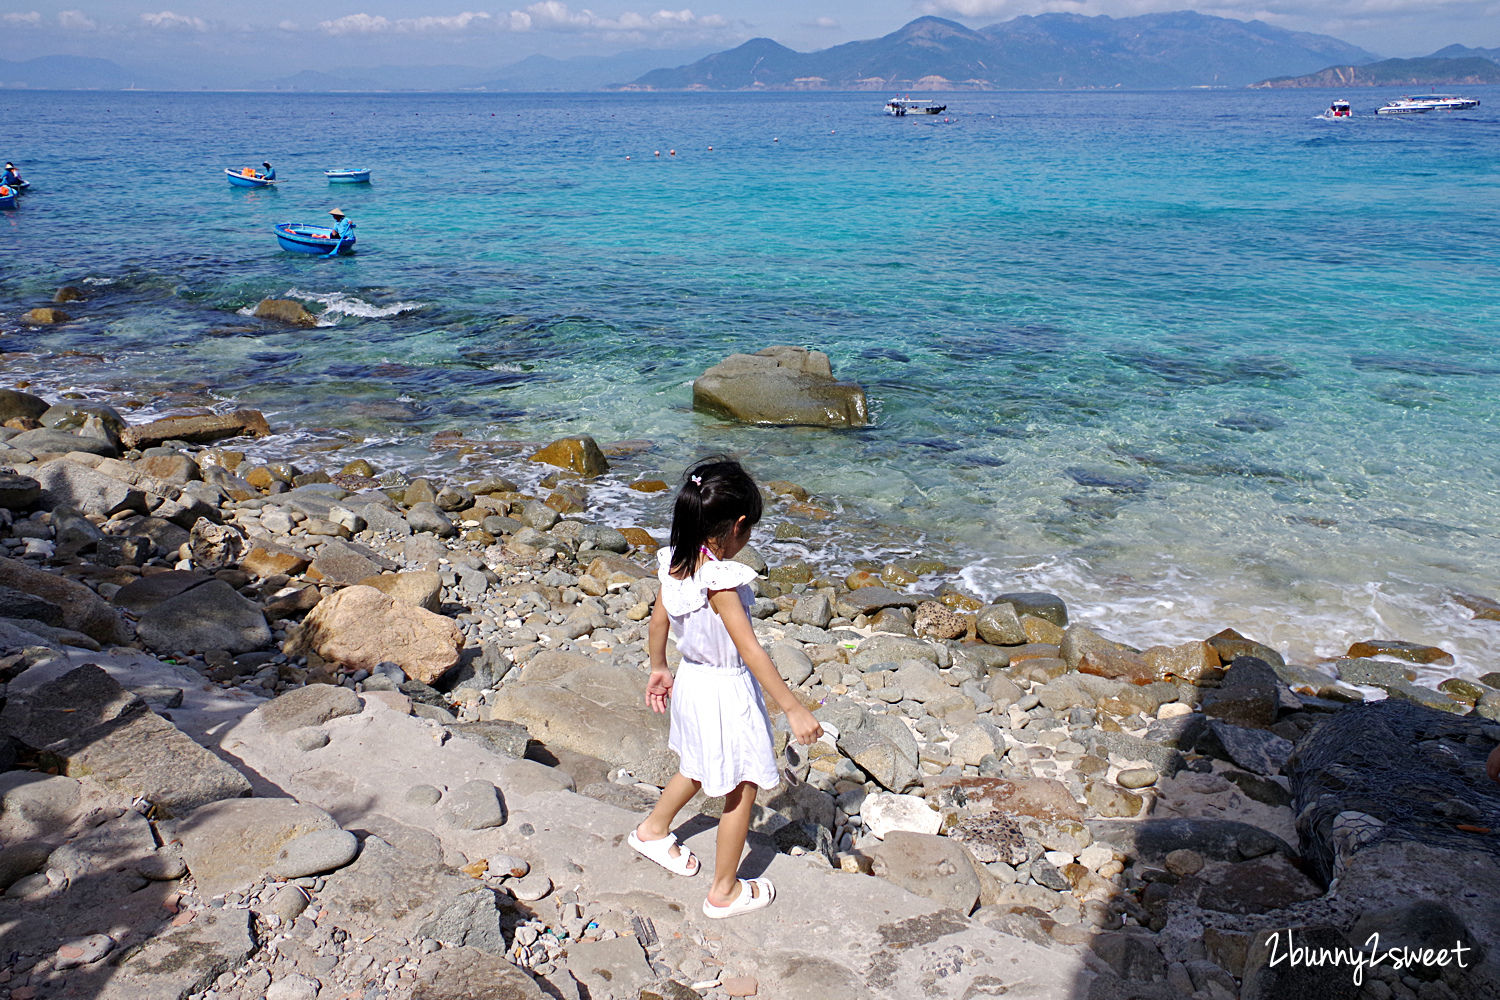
column 1189, row 359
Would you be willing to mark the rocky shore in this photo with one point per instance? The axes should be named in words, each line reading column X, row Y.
column 278, row 731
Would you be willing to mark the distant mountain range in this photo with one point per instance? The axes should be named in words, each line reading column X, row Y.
column 1432, row 71
column 71, row 73
column 1045, row 52
column 1456, row 69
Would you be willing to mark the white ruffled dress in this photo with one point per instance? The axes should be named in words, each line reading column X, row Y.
column 720, row 728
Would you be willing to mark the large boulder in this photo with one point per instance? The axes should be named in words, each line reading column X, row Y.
column 80, row 488
column 576, row 454
column 82, row 609
column 287, row 311
column 360, row 627
column 928, row 865
column 15, row 404
column 199, row 429
column 45, row 440
column 212, row 616
column 594, row 710
column 230, row 844
column 89, row 726
column 780, row 385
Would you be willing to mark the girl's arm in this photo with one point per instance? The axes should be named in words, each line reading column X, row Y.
column 726, row 603
column 659, row 686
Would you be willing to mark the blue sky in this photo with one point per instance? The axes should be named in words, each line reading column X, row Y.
column 211, row 38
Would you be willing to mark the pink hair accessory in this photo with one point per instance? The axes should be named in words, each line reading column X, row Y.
column 697, row 480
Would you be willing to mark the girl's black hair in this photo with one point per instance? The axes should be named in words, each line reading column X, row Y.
column 715, row 493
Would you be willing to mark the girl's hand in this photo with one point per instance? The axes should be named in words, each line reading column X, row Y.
column 804, row 726
column 659, row 689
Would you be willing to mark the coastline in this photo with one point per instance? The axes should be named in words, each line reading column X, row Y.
column 1046, row 766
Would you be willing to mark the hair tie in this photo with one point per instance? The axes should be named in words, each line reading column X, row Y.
column 697, row 480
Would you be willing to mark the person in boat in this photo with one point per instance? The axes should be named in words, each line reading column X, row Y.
column 12, row 177
column 343, row 228
column 269, row 174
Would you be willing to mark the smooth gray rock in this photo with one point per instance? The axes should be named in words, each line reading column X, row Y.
column 315, row 853
column 342, row 564
column 45, row 440
column 474, row 805
column 891, row 649
column 999, row 625
column 390, row 889
column 813, row 609
column 1048, row 607
column 928, row 865
column 791, row 663
column 33, row 804
column 78, row 487
column 1164, row 760
column 213, row 616
column 428, row 518
column 21, row 859
column 312, row 705
column 379, row 518
column 230, row 844
column 780, row 385
column 14, row 403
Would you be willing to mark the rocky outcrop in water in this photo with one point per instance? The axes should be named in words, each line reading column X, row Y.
column 780, row 385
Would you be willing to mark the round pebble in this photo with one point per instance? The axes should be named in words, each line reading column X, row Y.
column 1136, row 777
column 83, row 951
column 531, row 888
column 423, row 795
column 1184, row 862
column 289, row 902
column 316, row 852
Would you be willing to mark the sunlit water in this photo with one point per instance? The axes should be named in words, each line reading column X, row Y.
column 1190, row 360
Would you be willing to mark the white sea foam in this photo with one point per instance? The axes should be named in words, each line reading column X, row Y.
column 336, row 304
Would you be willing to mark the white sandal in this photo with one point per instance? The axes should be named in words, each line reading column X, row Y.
column 660, row 851
column 745, row 901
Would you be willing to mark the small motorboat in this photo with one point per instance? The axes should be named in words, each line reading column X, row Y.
column 903, row 106
column 298, row 238
column 1423, row 103
column 8, row 196
column 1338, row 109
column 247, row 178
column 347, row 176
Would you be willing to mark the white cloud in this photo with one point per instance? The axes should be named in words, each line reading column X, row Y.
column 824, row 22
column 373, row 24
column 76, row 20
column 550, row 15
column 167, row 19
column 546, row 15
column 30, row 19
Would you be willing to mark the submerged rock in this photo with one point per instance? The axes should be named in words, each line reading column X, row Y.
column 780, row 385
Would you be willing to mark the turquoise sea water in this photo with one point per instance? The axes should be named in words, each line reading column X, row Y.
column 1191, row 360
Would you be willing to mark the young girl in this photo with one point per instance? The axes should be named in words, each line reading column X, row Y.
column 720, row 730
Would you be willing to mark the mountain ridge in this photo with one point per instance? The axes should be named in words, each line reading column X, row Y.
column 1031, row 52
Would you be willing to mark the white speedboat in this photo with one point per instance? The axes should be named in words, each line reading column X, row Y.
column 1338, row 109
column 1423, row 103
column 902, row 106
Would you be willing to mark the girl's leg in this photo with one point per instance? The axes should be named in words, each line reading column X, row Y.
column 734, row 825
column 676, row 795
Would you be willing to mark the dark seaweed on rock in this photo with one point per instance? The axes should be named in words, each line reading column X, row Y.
column 1417, row 772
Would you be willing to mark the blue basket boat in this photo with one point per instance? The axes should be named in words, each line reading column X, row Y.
column 347, row 176
column 238, row 178
column 8, row 196
column 298, row 238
